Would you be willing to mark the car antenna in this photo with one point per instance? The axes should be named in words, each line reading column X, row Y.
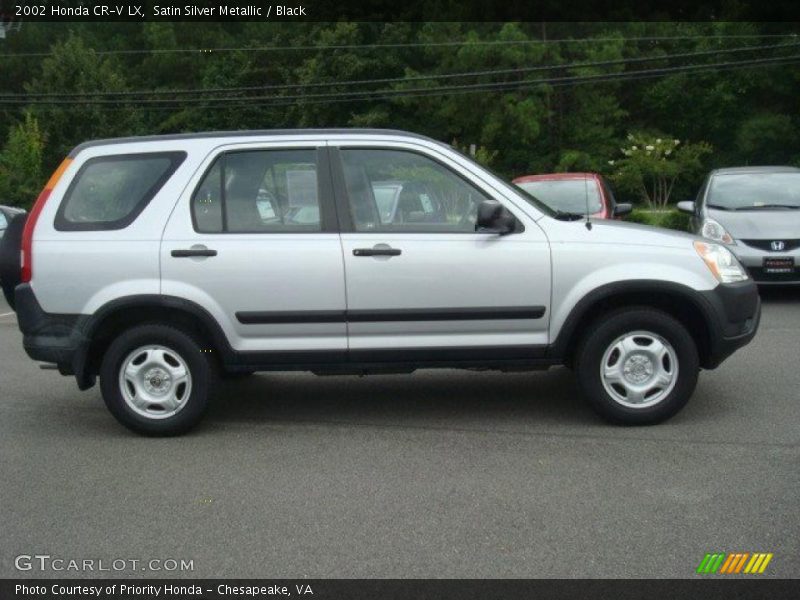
column 586, row 196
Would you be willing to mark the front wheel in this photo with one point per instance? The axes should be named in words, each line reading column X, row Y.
column 156, row 380
column 637, row 366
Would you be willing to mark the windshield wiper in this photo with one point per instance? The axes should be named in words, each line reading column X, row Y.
column 768, row 206
column 720, row 207
column 567, row 216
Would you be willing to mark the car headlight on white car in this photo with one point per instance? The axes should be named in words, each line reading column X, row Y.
column 712, row 230
column 721, row 261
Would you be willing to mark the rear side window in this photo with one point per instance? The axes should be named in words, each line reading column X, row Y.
column 109, row 192
column 259, row 191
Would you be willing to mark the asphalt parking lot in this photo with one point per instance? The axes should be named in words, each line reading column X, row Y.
column 436, row 474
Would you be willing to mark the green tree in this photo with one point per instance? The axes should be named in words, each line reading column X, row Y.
column 764, row 138
column 74, row 68
column 21, row 172
column 651, row 165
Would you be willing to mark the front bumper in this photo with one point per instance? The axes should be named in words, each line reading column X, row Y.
column 734, row 316
column 753, row 261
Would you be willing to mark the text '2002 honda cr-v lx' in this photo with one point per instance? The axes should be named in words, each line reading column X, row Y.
column 162, row 263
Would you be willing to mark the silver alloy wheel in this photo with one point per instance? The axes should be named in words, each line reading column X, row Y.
column 639, row 369
column 155, row 382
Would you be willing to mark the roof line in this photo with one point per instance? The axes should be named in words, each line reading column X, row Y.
column 246, row 133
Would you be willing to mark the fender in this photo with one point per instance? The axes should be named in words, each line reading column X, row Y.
column 90, row 325
column 660, row 291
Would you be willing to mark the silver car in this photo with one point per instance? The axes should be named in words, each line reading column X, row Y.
column 148, row 262
column 755, row 212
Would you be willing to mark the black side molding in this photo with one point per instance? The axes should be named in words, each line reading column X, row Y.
column 299, row 316
column 447, row 314
column 394, row 315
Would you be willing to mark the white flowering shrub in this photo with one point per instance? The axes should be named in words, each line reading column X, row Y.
column 650, row 165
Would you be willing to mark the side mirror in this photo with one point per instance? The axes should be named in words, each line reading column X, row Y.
column 493, row 217
column 687, row 206
column 622, row 209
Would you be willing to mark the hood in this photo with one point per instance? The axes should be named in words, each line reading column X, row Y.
column 616, row 232
column 759, row 224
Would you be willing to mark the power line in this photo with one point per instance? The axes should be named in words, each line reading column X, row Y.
column 395, row 46
column 271, row 101
column 111, row 96
column 529, row 83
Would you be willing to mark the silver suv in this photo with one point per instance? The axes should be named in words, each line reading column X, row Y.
column 162, row 263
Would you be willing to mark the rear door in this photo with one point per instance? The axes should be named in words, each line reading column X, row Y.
column 253, row 240
column 422, row 284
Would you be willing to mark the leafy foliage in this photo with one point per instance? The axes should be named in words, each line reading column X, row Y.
column 670, row 219
column 651, row 165
column 21, row 173
column 748, row 116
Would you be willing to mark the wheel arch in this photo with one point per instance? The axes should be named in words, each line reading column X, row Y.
column 679, row 301
column 114, row 317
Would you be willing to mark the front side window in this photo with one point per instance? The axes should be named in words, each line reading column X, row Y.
column 259, row 191
column 109, row 192
column 3, row 224
column 402, row 191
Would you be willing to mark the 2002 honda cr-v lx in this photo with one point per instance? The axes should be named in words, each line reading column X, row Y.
column 161, row 263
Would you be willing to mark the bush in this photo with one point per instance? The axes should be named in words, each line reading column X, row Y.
column 676, row 220
column 21, row 173
column 652, row 164
column 669, row 219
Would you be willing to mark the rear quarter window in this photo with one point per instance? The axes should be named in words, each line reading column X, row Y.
column 109, row 192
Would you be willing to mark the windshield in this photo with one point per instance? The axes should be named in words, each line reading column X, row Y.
column 566, row 195
column 751, row 191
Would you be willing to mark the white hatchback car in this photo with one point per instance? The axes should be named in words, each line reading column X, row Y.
column 159, row 263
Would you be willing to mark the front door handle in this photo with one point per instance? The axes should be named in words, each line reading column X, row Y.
column 191, row 252
column 377, row 252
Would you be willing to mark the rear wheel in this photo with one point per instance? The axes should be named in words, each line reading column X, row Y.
column 637, row 366
column 156, row 380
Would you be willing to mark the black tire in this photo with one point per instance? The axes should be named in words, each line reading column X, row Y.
column 602, row 333
column 203, row 376
column 236, row 375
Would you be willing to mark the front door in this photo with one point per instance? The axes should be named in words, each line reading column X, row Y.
column 421, row 283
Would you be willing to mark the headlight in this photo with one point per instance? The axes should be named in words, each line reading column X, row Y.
column 714, row 231
column 721, row 262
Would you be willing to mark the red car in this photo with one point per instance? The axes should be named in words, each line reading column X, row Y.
column 571, row 192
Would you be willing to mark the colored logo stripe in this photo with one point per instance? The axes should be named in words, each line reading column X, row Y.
column 734, row 562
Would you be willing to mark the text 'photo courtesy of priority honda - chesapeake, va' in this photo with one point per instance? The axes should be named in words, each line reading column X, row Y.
column 399, row 301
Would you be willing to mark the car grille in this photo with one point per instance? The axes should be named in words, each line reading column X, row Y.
column 766, row 245
column 758, row 274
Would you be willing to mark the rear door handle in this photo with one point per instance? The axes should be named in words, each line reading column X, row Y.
column 377, row 252
column 190, row 252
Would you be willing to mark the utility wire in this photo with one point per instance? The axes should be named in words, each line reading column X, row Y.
column 328, row 84
column 273, row 101
column 530, row 83
column 413, row 45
